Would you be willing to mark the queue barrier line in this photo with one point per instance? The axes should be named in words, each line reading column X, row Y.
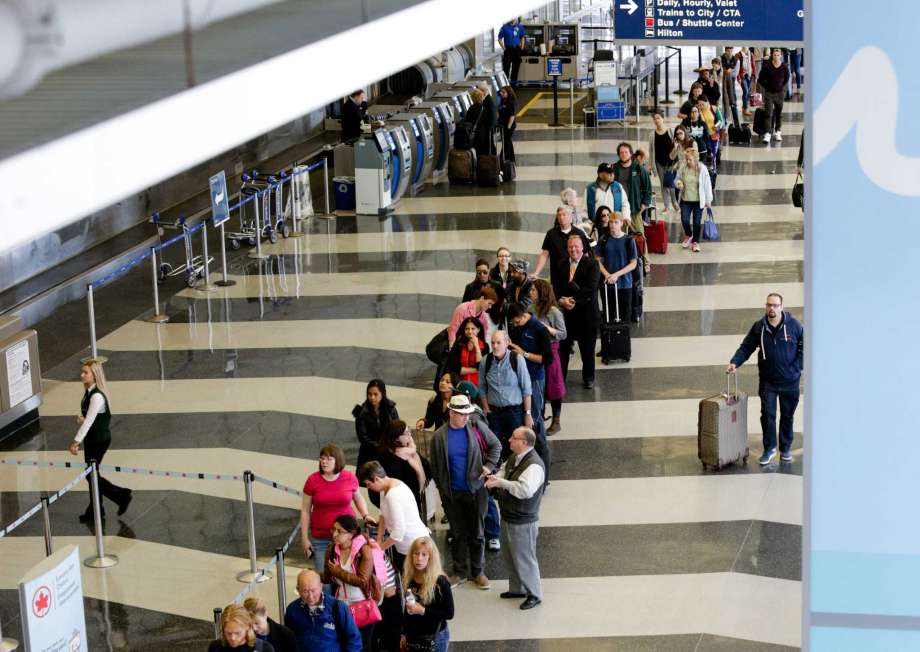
column 50, row 499
column 277, row 485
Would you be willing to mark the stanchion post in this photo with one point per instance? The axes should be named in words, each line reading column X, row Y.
column 224, row 282
column 8, row 644
column 91, row 309
column 667, row 84
column 46, row 523
column 217, row 613
column 157, row 317
column 326, row 183
column 655, row 85
column 252, row 573
column 258, row 252
column 680, row 72
column 282, row 589
column 101, row 560
column 297, row 232
column 571, row 101
column 699, row 55
column 207, row 286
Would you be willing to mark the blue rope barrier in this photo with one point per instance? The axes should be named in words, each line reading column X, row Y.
column 121, row 270
column 171, row 241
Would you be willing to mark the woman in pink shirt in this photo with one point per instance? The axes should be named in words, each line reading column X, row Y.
column 327, row 494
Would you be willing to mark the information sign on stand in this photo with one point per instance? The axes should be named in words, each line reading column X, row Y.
column 220, row 206
column 51, row 604
column 19, row 372
column 709, row 22
column 553, row 67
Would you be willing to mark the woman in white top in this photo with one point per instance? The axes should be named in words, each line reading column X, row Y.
column 95, row 435
column 400, row 523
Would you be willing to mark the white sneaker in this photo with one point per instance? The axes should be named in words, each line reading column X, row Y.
column 766, row 138
column 685, row 243
column 778, row 135
column 696, row 248
column 495, row 544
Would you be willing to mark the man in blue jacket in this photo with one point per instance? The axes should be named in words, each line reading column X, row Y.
column 320, row 622
column 781, row 340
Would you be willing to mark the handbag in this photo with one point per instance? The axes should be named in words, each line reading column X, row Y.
column 436, row 350
column 710, row 230
column 798, row 192
column 670, row 177
column 756, row 100
column 365, row 612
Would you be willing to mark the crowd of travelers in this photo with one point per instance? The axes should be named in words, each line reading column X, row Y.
column 481, row 449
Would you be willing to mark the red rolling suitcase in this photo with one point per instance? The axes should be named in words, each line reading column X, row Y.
column 656, row 233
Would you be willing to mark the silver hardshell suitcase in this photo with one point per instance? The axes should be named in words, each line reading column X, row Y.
column 722, row 436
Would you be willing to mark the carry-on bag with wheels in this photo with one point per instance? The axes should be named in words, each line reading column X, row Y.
column 739, row 135
column 615, row 337
column 461, row 166
column 489, row 172
column 656, row 236
column 760, row 122
column 722, row 434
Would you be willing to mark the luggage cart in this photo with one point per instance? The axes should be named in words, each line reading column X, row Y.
column 259, row 212
column 274, row 213
column 193, row 269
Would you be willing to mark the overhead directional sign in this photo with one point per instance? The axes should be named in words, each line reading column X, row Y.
column 715, row 22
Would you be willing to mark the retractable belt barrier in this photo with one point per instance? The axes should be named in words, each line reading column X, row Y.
column 50, row 499
column 265, row 571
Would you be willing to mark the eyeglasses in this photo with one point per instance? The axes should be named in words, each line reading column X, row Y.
column 504, row 255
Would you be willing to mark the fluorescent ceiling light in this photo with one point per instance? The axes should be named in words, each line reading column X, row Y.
column 55, row 184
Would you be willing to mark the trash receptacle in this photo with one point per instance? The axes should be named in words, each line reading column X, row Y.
column 344, row 193
column 590, row 116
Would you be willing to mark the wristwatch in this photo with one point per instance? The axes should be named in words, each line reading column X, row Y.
column 526, row 411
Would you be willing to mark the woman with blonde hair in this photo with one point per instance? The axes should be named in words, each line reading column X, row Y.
column 280, row 637
column 95, row 435
column 236, row 632
column 695, row 194
column 429, row 601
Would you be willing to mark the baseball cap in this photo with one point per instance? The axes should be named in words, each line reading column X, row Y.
column 468, row 389
column 604, row 167
column 519, row 265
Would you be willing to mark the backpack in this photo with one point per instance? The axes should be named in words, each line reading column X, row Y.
column 490, row 358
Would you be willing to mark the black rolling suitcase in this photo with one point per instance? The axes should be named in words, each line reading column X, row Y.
column 739, row 135
column 616, row 342
column 760, row 121
column 490, row 165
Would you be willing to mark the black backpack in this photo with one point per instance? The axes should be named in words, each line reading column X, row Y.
column 490, row 358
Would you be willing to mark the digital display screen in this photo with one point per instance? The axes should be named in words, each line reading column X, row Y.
column 381, row 138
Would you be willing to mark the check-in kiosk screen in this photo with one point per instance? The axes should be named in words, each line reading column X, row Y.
column 564, row 39
column 534, row 37
column 381, row 139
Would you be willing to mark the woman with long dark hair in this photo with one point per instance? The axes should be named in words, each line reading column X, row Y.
column 96, row 437
column 545, row 309
column 506, row 118
column 371, row 417
column 468, row 350
column 401, row 460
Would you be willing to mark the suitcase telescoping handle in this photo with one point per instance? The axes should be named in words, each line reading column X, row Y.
column 616, row 300
column 728, row 386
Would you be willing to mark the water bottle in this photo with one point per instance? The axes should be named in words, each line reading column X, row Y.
column 410, row 597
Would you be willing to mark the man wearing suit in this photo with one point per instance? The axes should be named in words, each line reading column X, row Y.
column 576, row 286
column 354, row 112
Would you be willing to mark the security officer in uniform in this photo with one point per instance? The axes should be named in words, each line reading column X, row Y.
column 354, row 112
column 510, row 36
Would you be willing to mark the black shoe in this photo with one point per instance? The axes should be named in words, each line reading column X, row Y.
column 589, row 384
column 598, row 354
column 124, row 502
column 531, row 602
column 511, row 594
column 605, row 360
column 87, row 516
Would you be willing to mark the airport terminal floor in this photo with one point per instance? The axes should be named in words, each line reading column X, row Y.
column 640, row 548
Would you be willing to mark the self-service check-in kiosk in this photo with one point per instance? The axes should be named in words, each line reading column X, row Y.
column 374, row 172
column 502, row 79
column 533, row 53
column 402, row 161
column 418, row 128
column 442, row 119
column 459, row 98
column 563, row 43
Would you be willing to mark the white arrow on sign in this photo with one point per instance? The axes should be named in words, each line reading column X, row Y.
column 630, row 7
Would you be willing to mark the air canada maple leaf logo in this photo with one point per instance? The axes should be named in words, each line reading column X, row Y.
column 41, row 602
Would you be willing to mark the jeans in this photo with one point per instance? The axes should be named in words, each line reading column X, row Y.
column 692, row 209
column 536, row 409
column 503, row 421
column 442, row 640
column 745, row 91
column 773, row 105
column 788, row 396
column 319, row 552
column 795, row 59
column 493, row 525
column 669, row 194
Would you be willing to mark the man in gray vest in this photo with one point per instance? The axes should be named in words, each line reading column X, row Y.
column 520, row 489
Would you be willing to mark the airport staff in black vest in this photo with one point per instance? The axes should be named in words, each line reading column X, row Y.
column 94, row 434
column 520, row 490
column 354, row 113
